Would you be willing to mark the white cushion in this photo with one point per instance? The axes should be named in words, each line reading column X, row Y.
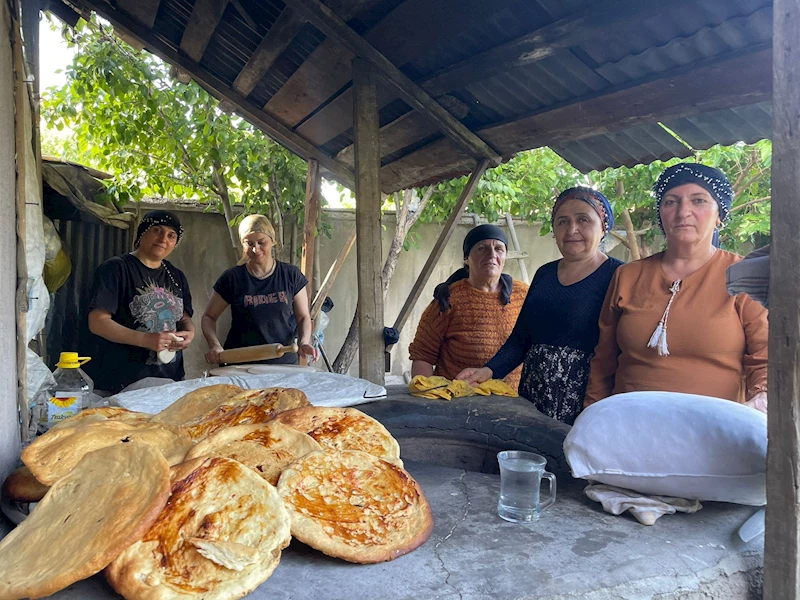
column 671, row 444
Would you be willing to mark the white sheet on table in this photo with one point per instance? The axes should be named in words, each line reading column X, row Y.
column 322, row 389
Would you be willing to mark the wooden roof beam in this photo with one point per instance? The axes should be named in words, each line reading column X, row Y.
column 408, row 32
column 324, row 19
column 205, row 18
column 142, row 11
column 736, row 79
column 524, row 51
column 278, row 38
column 268, row 124
column 599, row 20
column 322, row 74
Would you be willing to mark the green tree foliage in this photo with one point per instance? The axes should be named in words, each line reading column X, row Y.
column 157, row 136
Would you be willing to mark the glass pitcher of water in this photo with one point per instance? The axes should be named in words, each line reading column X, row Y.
column 521, row 475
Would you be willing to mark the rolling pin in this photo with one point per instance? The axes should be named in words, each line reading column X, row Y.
column 255, row 353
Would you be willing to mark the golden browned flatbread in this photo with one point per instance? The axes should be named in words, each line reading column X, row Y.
column 265, row 447
column 54, row 454
column 197, row 403
column 355, row 506
column 344, row 429
column 219, row 537
column 106, row 503
column 105, row 413
column 246, row 408
column 22, row 486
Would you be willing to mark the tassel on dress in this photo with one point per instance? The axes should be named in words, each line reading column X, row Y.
column 659, row 338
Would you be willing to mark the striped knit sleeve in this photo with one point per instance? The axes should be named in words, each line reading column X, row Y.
column 430, row 334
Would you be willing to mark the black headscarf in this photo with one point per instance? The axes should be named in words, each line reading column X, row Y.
column 477, row 234
column 158, row 217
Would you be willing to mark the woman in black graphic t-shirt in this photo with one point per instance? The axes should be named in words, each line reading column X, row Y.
column 140, row 305
column 264, row 294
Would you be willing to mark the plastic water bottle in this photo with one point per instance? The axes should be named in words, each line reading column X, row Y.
column 71, row 392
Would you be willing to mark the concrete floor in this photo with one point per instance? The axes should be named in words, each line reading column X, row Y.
column 575, row 551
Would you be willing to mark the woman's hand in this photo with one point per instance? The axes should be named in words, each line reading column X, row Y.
column 308, row 351
column 758, row 401
column 158, row 341
column 475, row 376
column 212, row 356
column 181, row 340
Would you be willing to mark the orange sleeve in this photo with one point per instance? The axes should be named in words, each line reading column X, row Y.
column 604, row 364
column 756, row 332
column 430, row 334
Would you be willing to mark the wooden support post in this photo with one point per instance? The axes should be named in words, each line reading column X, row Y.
column 369, row 253
column 310, row 222
column 333, row 272
column 22, row 141
column 782, row 544
column 512, row 232
column 438, row 248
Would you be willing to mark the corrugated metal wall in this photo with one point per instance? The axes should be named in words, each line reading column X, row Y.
column 87, row 245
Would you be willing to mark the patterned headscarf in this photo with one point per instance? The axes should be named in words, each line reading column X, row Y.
column 593, row 198
column 158, row 217
column 711, row 179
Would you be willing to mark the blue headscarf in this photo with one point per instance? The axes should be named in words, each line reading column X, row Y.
column 712, row 180
column 593, row 198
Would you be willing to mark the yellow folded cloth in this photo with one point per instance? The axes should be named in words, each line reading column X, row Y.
column 440, row 388
column 498, row 387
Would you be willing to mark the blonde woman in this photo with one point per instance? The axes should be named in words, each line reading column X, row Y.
column 264, row 294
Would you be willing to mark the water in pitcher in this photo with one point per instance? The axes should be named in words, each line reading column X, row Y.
column 519, row 490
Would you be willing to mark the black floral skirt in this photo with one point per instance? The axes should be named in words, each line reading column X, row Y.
column 554, row 378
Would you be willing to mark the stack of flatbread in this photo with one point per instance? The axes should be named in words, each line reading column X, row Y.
column 249, row 469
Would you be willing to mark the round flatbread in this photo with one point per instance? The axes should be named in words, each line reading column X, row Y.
column 264, row 447
column 54, row 454
column 106, row 503
column 105, row 413
column 355, row 506
column 196, row 403
column 344, row 429
column 219, row 537
column 246, row 408
column 22, row 486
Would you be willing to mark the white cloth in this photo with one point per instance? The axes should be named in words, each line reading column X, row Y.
column 646, row 509
column 322, row 389
column 671, row 444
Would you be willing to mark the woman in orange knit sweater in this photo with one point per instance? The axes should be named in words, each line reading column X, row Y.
column 473, row 312
column 668, row 322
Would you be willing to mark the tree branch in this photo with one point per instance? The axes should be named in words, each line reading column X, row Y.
column 226, row 206
column 421, row 206
column 739, row 207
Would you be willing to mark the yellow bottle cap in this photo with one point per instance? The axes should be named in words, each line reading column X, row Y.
column 71, row 360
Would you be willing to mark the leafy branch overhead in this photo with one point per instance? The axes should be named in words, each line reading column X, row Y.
column 127, row 115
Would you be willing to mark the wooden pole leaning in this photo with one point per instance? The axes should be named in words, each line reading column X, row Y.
column 438, row 248
column 369, row 250
column 782, row 542
column 333, row 272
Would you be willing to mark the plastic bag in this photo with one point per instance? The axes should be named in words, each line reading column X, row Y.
column 57, row 271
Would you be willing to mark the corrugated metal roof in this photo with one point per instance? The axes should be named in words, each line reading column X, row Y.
column 622, row 148
column 742, row 124
column 630, row 51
